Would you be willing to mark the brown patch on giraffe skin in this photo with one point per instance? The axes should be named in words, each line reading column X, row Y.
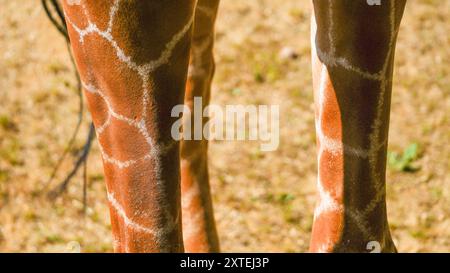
column 135, row 191
column 101, row 16
column 76, row 14
column 79, row 54
column 331, row 161
column 97, row 104
column 194, row 237
column 115, row 141
column 125, row 97
column 332, row 175
column 327, row 230
column 138, row 44
column 331, row 113
column 115, row 228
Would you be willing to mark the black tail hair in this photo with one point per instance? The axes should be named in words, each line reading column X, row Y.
column 57, row 18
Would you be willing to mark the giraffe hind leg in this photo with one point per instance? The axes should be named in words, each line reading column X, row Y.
column 199, row 230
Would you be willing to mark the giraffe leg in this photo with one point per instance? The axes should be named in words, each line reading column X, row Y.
column 133, row 59
column 199, row 230
column 353, row 46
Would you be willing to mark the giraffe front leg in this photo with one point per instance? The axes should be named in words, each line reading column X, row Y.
column 133, row 58
column 199, row 229
column 353, row 45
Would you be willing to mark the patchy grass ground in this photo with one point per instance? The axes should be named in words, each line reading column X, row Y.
column 267, row 207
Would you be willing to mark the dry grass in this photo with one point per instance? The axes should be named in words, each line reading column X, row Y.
column 269, row 206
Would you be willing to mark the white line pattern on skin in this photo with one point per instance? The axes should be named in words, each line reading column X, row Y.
column 209, row 12
column 192, row 224
column 335, row 146
column 325, row 248
column 154, row 148
column 143, row 71
column 196, row 68
column 73, row 2
column 374, row 137
column 326, row 143
column 131, row 122
column 191, row 227
column 158, row 233
column 326, row 202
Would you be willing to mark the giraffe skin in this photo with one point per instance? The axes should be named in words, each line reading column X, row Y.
column 353, row 47
column 199, row 230
column 133, row 58
column 138, row 59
